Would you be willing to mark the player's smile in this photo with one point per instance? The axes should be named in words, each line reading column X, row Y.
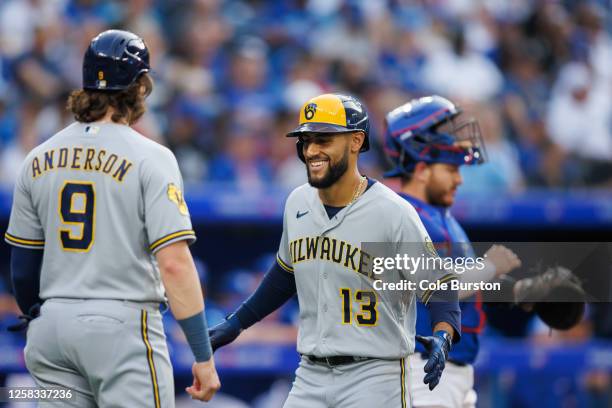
column 326, row 159
column 317, row 164
column 318, row 161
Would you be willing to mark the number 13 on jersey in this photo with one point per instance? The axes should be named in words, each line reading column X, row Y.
column 367, row 301
column 77, row 208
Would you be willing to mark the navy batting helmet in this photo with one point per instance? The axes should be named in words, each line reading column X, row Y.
column 114, row 60
column 431, row 130
column 335, row 114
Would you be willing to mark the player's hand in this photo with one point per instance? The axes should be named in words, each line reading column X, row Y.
column 25, row 319
column 205, row 381
column 503, row 259
column 224, row 333
column 437, row 347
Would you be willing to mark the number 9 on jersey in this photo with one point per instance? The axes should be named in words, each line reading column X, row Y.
column 77, row 207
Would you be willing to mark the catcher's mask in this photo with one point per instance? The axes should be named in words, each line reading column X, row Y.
column 432, row 130
column 331, row 114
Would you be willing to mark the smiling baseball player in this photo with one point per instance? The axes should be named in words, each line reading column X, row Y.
column 353, row 340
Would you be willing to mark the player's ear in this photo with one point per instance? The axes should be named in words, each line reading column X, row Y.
column 357, row 140
column 422, row 172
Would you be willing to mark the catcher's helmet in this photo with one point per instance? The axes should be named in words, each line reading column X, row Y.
column 430, row 130
column 335, row 114
column 114, row 60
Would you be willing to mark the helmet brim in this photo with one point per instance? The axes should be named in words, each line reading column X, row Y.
column 317, row 127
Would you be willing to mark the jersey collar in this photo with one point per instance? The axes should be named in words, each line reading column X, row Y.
column 321, row 213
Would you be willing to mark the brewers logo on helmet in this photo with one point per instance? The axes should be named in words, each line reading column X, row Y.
column 114, row 60
column 333, row 114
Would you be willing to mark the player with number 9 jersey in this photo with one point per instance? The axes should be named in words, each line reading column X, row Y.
column 104, row 190
column 105, row 206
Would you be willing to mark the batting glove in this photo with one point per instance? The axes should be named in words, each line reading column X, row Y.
column 225, row 332
column 437, row 347
column 25, row 319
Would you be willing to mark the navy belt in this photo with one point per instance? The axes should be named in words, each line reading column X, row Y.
column 334, row 361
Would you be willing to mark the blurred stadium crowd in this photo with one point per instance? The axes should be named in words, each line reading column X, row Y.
column 230, row 76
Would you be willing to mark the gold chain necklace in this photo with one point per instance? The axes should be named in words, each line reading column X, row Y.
column 358, row 191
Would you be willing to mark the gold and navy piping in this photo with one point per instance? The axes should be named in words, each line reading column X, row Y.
column 283, row 264
column 23, row 242
column 145, row 339
column 183, row 234
column 403, row 384
column 429, row 292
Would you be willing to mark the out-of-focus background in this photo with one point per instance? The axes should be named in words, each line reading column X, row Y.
column 230, row 77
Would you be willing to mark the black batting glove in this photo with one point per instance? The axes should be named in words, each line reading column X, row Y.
column 437, row 347
column 25, row 319
column 225, row 332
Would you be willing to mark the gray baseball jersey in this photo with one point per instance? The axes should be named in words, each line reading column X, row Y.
column 100, row 199
column 340, row 311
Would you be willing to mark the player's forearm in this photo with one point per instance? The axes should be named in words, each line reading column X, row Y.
column 500, row 260
column 185, row 297
column 180, row 280
column 486, row 274
column 444, row 311
column 275, row 289
column 25, row 276
column 444, row 326
column 184, row 294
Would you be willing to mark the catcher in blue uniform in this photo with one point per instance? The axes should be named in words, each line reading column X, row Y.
column 427, row 140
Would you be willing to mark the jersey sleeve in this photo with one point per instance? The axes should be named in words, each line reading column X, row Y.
column 25, row 229
column 166, row 214
column 283, row 256
column 416, row 241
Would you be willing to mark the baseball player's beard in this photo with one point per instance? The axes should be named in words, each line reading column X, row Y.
column 439, row 196
column 334, row 172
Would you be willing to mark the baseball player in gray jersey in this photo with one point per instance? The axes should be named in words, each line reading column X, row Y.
column 105, row 206
column 353, row 339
